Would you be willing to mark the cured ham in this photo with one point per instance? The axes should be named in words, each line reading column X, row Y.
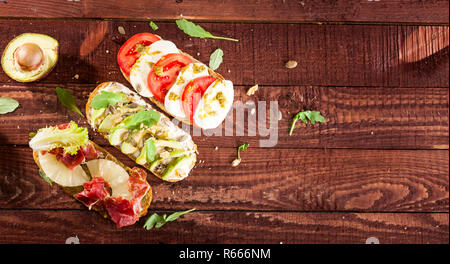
column 94, row 191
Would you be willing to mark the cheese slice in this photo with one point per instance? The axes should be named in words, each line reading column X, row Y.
column 214, row 105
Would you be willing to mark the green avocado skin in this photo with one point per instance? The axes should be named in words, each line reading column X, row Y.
column 49, row 46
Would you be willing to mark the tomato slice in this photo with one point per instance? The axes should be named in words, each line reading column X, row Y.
column 192, row 94
column 164, row 73
column 130, row 50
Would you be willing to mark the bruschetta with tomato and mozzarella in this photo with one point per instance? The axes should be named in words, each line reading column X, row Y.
column 142, row 133
column 176, row 82
column 87, row 172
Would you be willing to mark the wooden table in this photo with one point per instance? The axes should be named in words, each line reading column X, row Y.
column 379, row 166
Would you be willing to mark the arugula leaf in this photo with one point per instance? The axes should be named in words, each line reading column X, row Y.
column 304, row 116
column 7, row 105
column 242, row 147
column 104, row 98
column 215, row 59
column 47, row 179
column 153, row 25
column 194, row 30
column 158, row 221
column 67, row 100
column 145, row 117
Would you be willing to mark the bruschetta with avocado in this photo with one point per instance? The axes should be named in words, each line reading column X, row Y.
column 90, row 174
column 142, row 133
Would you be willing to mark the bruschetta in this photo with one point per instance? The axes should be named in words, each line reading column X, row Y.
column 90, row 174
column 142, row 133
column 176, row 82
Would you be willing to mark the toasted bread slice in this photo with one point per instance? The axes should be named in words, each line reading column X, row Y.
column 190, row 143
column 145, row 202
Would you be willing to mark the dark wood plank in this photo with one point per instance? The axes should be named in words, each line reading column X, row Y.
column 262, row 10
column 267, row 179
column 328, row 55
column 228, row 227
column 357, row 117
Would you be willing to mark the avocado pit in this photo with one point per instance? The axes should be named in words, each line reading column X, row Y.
column 29, row 56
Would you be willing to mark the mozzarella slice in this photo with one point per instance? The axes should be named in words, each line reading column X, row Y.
column 214, row 105
column 172, row 101
column 140, row 70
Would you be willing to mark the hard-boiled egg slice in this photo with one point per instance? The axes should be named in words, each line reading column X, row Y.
column 214, row 105
column 114, row 174
column 172, row 101
column 140, row 70
column 59, row 173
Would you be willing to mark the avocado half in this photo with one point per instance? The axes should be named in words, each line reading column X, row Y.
column 30, row 57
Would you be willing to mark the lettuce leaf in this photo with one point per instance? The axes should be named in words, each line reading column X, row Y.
column 70, row 138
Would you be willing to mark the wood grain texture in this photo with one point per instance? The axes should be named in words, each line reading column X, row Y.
column 357, row 117
column 228, row 227
column 328, row 55
column 266, row 179
column 387, row 11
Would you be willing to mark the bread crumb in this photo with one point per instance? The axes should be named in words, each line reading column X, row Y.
column 76, row 76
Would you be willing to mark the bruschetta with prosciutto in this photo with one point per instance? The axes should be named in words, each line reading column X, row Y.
column 142, row 133
column 176, row 82
column 87, row 172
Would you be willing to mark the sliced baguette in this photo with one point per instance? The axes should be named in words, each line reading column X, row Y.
column 88, row 117
column 161, row 105
column 145, row 203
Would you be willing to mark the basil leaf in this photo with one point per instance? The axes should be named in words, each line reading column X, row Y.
column 104, row 98
column 47, row 179
column 153, row 220
column 304, row 116
column 194, row 30
column 150, row 149
column 175, row 215
column 153, row 25
column 146, row 117
column 215, row 59
column 67, row 100
column 158, row 221
column 242, row 147
column 7, row 105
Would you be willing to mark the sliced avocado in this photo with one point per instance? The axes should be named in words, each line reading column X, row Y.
column 175, row 164
column 128, row 148
column 96, row 113
column 138, row 135
column 168, row 143
column 109, row 122
column 117, row 136
column 172, row 154
column 142, row 158
column 155, row 163
column 30, row 56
